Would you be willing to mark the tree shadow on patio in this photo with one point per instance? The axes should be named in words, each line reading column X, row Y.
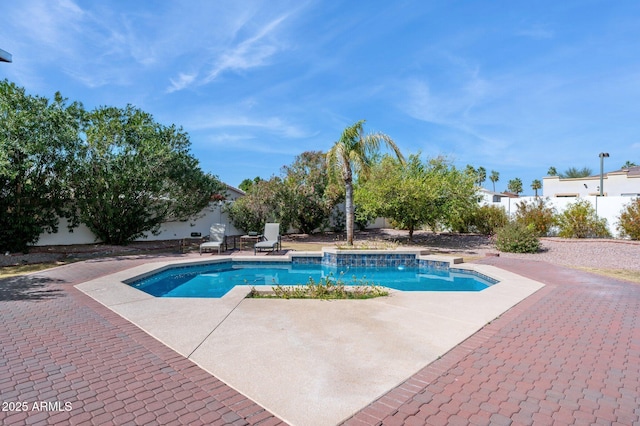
column 33, row 288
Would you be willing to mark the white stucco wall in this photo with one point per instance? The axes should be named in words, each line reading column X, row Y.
column 168, row 231
column 606, row 207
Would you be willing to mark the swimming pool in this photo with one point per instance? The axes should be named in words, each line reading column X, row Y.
column 216, row 279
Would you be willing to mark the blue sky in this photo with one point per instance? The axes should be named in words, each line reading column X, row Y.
column 512, row 86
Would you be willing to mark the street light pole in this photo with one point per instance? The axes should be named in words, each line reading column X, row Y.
column 602, row 157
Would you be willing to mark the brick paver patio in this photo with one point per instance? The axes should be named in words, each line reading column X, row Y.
column 569, row 354
column 60, row 346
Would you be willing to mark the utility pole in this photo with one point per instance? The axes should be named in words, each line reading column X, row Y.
column 602, row 156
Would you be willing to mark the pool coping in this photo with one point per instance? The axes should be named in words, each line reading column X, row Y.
column 244, row 341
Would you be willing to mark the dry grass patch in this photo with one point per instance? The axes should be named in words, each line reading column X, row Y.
column 14, row 271
column 621, row 274
column 304, row 246
column 369, row 244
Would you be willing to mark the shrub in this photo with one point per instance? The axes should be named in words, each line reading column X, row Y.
column 537, row 214
column 580, row 220
column 514, row 237
column 629, row 220
column 243, row 216
column 327, row 288
column 488, row 218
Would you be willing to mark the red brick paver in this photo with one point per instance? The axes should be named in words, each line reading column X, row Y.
column 569, row 354
column 66, row 359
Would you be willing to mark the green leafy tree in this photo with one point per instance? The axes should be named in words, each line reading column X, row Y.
column 629, row 220
column 579, row 220
column 461, row 197
column 264, row 202
column 494, row 177
column 536, row 185
column 246, row 184
column 38, row 142
column 628, row 164
column 416, row 193
column 552, row 171
column 515, row 186
column 134, row 174
column 398, row 192
column 351, row 156
column 310, row 197
column 479, row 175
column 575, row 173
column 301, row 197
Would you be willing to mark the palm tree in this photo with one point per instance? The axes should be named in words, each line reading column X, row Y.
column 482, row 175
column 535, row 185
column 495, row 176
column 515, row 186
column 351, row 155
column 574, row 173
column 552, row 171
column 628, row 165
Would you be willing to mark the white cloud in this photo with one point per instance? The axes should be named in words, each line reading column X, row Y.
column 274, row 125
column 50, row 23
column 182, row 81
column 452, row 106
column 244, row 141
column 251, row 52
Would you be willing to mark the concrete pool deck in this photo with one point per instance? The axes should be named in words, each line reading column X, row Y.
column 287, row 355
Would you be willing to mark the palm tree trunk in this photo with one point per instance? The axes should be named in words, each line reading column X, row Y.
column 349, row 213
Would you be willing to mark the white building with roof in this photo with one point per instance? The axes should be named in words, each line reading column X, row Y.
column 619, row 183
column 620, row 187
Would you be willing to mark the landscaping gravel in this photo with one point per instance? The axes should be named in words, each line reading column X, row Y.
column 590, row 253
column 600, row 254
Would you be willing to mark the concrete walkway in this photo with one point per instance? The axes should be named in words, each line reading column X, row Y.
column 311, row 362
column 566, row 355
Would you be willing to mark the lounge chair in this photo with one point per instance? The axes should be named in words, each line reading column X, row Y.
column 217, row 238
column 271, row 238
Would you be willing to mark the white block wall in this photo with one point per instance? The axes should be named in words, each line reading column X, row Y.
column 606, row 207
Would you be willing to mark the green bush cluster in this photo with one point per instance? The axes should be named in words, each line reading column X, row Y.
column 326, row 288
column 580, row 220
column 629, row 220
column 538, row 215
column 515, row 237
column 488, row 219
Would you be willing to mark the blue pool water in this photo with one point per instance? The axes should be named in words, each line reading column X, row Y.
column 215, row 280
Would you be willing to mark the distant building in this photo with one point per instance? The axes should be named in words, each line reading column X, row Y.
column 489, row 197
column 623, row 182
